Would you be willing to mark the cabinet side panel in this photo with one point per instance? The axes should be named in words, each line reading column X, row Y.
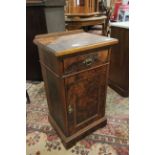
column 54, row 92
column 50, row 61
column 56, row 100
column 119, row 63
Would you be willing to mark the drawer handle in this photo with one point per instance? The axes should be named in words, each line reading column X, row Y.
column 70, row 109
column 88, row 61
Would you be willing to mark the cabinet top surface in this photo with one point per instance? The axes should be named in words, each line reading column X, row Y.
column 120, row 24
column 65, row 43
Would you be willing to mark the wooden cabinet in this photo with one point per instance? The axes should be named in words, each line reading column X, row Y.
column 35, row 24
column 119, row 64
column 75, row 71
column 41, row 17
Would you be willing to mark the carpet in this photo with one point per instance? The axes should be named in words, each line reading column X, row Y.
column 41, row 138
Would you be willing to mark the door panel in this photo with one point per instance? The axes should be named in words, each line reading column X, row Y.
column 85, row 93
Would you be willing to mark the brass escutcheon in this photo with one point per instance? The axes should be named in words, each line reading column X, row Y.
column 88, row 61
column 70, row 109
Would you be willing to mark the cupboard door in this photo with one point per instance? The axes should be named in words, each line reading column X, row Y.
column 85, row 93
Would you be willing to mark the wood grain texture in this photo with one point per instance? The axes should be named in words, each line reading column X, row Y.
column 73, row 42
column 119, row 64
column 76, row 93
column 78, row 63
column 83, row 93
column 82, row 8
column 79, row 23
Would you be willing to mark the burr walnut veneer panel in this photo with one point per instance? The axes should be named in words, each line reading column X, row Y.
column 75, row 72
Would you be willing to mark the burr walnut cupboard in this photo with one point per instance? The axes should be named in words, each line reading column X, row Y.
column 75, row 71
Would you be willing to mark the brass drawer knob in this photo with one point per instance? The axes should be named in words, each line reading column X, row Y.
column 70, row 109
column 88, row 61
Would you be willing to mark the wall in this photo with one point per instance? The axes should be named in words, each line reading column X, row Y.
column 55, row 19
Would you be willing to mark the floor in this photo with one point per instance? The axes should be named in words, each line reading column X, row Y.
column 42, row 139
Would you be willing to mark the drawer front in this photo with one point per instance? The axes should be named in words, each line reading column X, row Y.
column 85, row 94
column 81, row 62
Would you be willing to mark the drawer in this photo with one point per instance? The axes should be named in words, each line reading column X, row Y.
column 85, row 61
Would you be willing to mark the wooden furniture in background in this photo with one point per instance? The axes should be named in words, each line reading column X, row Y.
column 78, row 23
column 75, row 71
column 42, row 16
column 86, row 13
column 82, row 8
column 119, row 63
column 35, row 23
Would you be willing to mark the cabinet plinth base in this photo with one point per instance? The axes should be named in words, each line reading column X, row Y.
column 119, row 90
column 70, row 141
